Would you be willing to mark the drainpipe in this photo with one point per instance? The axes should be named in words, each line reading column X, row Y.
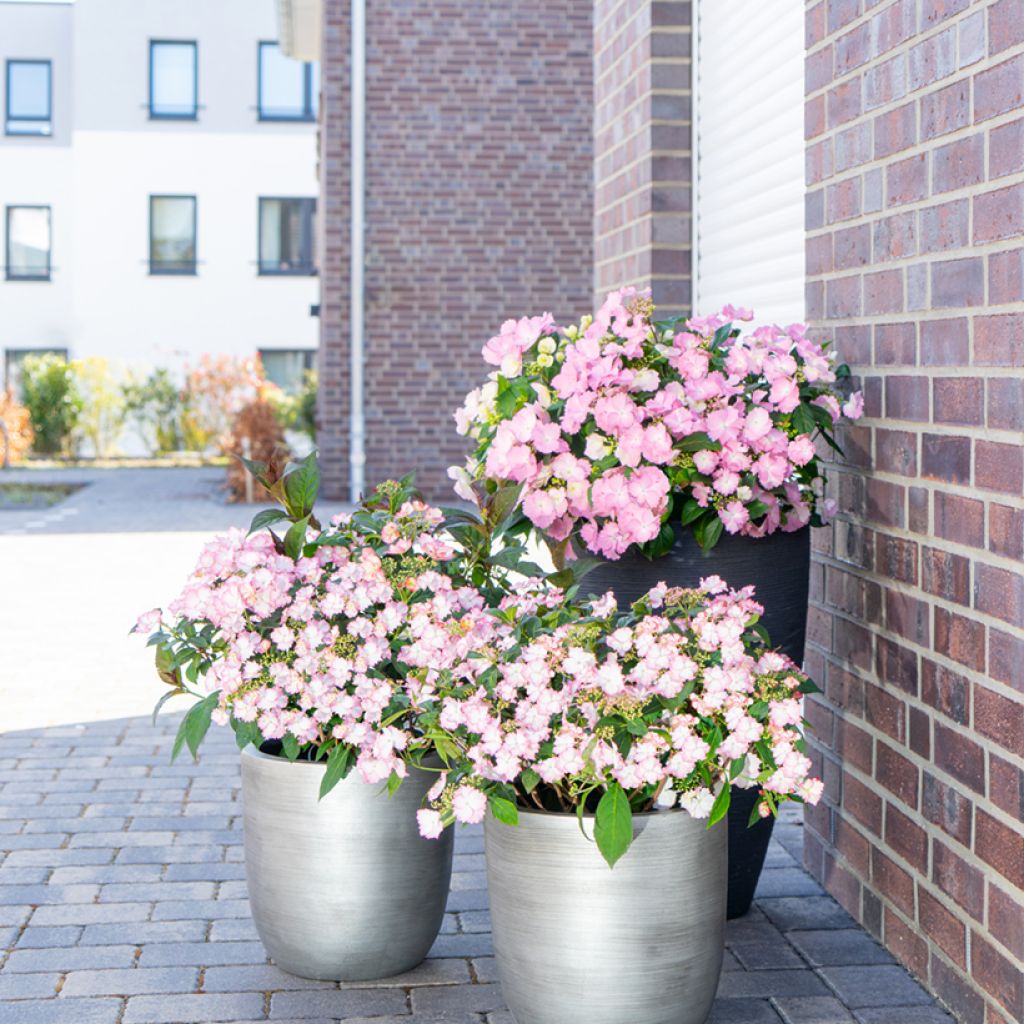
column 357, row 298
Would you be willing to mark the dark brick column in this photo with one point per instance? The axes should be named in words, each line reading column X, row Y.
column 915, row 224
column 479, row 208
column 333, row 241
column 642, row 129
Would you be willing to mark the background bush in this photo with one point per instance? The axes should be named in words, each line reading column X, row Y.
column 256, row 433
column 102, row 415
column 19, row 429
column 50, row 392
column 153, row 407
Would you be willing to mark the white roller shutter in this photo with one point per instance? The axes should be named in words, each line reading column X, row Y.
column 749, row 150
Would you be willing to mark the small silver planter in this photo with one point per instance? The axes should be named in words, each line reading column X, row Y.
column 344, row 888
column 578, row 942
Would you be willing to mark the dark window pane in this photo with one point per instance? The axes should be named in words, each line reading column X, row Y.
column 286, row 236
column 172, row 235
column 28, row 98
column 287, row 87
column 28, row 242
column 172, row 79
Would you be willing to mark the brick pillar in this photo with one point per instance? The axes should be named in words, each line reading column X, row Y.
column 642, row 166
column 915, row 225
column 333, row 241
column 479, row 208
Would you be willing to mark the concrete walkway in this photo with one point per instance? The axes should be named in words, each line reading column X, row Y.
column 122, row 887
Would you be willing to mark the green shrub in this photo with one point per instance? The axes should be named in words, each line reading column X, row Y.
column 153, row 404
column 50, row 393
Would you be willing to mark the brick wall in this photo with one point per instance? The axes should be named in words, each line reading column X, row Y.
column 479, row 208
column 642, row 167
column 915, row 260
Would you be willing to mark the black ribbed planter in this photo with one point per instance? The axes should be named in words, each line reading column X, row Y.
column 778, row 566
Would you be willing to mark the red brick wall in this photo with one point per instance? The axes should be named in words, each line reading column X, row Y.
column 642, row 123
column 479, row 208
column 915, row 260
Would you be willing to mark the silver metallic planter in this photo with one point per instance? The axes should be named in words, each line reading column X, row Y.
column 343, row 888
column 578, row 942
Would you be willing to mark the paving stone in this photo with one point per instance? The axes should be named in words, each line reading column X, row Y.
column 449, row 924
column 106, row 874
column 58, row 858
column 469, row 881
column 468, row 862
column 121, row 839
column 13, row 916
column 758, row 956
column 806, row 913
column 171, row 855
column 814, row 1010
column 475, row 920
column 8, row 936
column 743, row 1011
column 234, row 929
column 881, row 986
column 57, row 936
column 130, row 892
column 28, row 986
column 201, row 954
column 485, row 969
column 194, row 1009
column 209, row 910
column 233, row 890
column 765, row 983
column 256, row 978
column 430, row 972
column 139, row 933
column 204, row 872
column 23, row 876
column 131, row 981
column 78, row 826
column 905, row 1015
column 846, row 947
column 462, row 945
column 730, row 963
column 792, row 881
column 464, row 998
column 91, row 913
column 62, row 1011
column 37, row 894
column 78, row 958
column 361, row 1002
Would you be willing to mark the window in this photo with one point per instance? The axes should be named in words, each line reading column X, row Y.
column 286, row 236
column 29, row 93
column 287, row 367
column 287, row 88
column 173, row 83
column 172, row 234
column 28, row 243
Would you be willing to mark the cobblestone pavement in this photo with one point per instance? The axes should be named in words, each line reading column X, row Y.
column 122, row 887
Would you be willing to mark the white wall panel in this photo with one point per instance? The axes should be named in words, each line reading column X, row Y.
column 749, row 223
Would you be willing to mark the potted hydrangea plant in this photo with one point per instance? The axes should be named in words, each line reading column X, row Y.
column 292, row 641
column 669, row 450
column 603, row 739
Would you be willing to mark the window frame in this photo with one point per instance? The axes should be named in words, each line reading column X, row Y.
column 48, row 120
column 309, row 360
column 194, row 116
column 307, row 271
column 8, row 275
column 307, row 116
column 193, row 270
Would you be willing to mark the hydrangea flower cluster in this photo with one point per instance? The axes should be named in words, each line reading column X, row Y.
column 568, row 706
column 617, row 424
column 300, row 650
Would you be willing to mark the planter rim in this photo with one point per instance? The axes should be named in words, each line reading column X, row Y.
column 251, row 750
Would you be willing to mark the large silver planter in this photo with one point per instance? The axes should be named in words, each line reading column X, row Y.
column 580, row 943
column 342, row 889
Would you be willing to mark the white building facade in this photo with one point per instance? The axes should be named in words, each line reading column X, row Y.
column 157, row 184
